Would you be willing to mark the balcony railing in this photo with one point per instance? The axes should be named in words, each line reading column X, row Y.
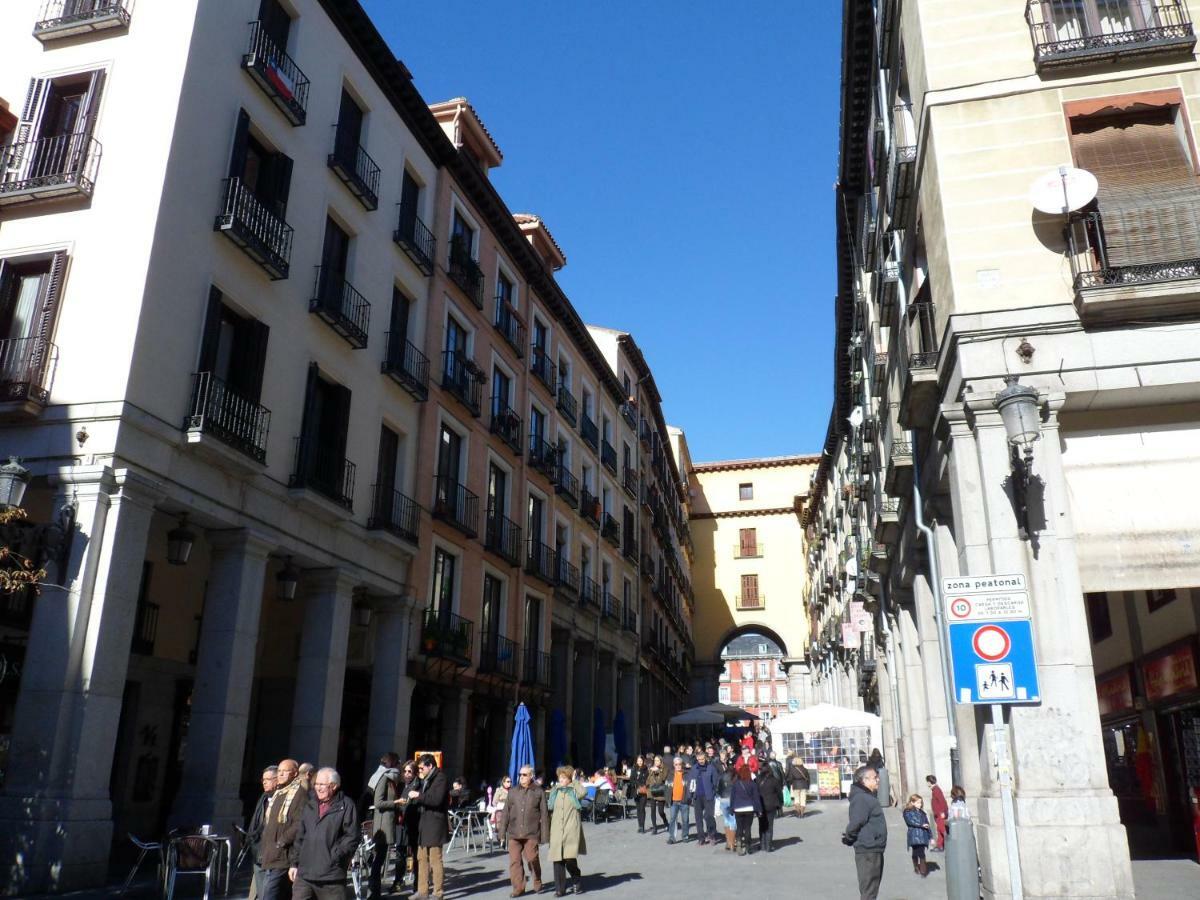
column 747, row 551
column 647, row 566
column 540, row 365
column 454, row 504
column 1079, row 32
column 406, row 365
column 465, row 272
column 320, row 468
column 629, row 618
column 506, row 423
column 68, row 18
column 540, row 561
column 219, row 410
column 415, row 239
column 646, row 433
column 246, row 221
column 27, row 370
column 751, row 601
column 277, row 74
column 543, row 456
column 48, row 168
column 341, row 307
column 588, row 431
column 568, row 576
column 462, row 379
column 354, row 166
column 629, row 480
column 610, row 606
column 608, row 456
column 394, row 512
column 536, row 668
column 589, row 507
column 447, row 636
column 922, row 360
column 629, row 414
column 498, row 656
column 610, row 530
column 566, row 485
column 510, row 326
column 589, row 592
column 567, row 404
column 503, row 537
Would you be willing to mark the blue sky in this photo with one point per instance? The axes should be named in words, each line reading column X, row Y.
column 684, row 157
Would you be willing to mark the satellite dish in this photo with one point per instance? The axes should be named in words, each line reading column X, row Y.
column 1063, row 190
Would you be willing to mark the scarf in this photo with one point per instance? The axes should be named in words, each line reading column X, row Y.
column 383, row 772
column 289, row 794
column 570, row 795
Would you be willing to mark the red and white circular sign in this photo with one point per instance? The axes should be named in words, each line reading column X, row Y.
column 992, row 643
column 960, row 607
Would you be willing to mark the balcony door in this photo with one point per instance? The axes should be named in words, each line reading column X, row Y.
column 449, row 465
column 266, row 173
column 441, row 599
column 386, row 475
column 536, row 519
column 533, row 625
column 59, row 116
column 501, row 396
column 398, row 326
column 1074, row 19
column 490, row 615
column 234, row 348
column 410, row 196
column 497, row 496
column 276, row 23
column 748, row 542
column 537, row 425
column 349, row 130
column 335, row 257
column 323, row 438
column 462, row 236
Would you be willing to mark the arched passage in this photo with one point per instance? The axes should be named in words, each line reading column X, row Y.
column 750, row 672
column 744, row 629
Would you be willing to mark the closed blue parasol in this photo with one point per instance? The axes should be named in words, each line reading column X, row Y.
column 522, row 744
column 620, row 739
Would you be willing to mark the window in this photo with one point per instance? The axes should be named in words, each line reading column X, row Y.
column 349, row 130
column 537, row 423
column 29, row 297
column 764, row 668
column 490, row 611
column 449, row 466
column 265, row 173
column 724, row 676
column 533, row 623
column 497, row 493
column 441, row 601
column 749, row 598
column 1099, row 620
column 781, row 693
column 746, row 491
column 462, row 236
column 397, row 338
column 723, row 694
column 386, row 473
column 55, row 130
column 276, row 22
column 747, row 542
column 747, row 671
column 505, row 291
column 536, row 519
column 321, row 451
column 541, row 336
column 585, row 562
column 501, row 394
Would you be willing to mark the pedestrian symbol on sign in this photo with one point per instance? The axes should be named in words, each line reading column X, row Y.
column 995, row 681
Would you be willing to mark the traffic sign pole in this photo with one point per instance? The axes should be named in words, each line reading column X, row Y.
column 1004, row 770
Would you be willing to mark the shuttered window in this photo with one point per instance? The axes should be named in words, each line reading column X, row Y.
column 748, row 542
column 750, row 597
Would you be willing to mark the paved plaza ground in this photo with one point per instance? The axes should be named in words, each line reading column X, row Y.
column 809, row 861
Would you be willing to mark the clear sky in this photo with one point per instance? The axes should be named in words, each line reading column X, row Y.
column 684, row 156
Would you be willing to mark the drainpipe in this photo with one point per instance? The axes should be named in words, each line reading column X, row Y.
column 890, row 652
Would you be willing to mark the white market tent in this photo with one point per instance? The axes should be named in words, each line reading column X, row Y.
column 824, row 716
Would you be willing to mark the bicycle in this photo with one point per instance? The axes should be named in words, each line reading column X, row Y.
column 360, row 862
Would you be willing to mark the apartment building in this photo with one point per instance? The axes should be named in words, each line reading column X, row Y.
column 341, row 469
column 753, row 677
column 1016, row 394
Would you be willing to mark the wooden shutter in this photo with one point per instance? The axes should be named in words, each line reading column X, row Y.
column 308, row 426
column 748, row 541
column 281, row 182
column 51, row 296
column 31, row 114
column 241, row 141
column 211, row 335
column 256, row 357
column 91, row 103
column 749, row 590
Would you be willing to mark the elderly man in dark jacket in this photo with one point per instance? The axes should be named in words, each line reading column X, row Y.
column 433, row 830
column 866, row 832
column 325, row 841
column 524, row 825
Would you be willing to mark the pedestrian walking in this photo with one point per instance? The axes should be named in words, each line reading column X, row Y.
column 770, row 791
column 325, row 840
column 306, row 776
column 523, row 827
column 280, row 823
column 433, row 829
column 728, row 820
column 656, row 789
column 940, row 810
column 918, row 833
column 641, row 792
column 681, row 801
column 746, row 803
column 255, row 830
column 703, row 783
column 866, row 832
column 407, row 825
column 798, row 782
column 566, row 831
column 385, row 786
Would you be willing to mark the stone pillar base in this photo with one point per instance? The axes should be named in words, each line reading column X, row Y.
column 1070, row 846
column 53, row 845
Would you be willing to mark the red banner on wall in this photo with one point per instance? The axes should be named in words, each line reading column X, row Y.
column 1171, row 673
column 1115, row 693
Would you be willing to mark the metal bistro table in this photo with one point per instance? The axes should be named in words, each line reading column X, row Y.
column 469, row 826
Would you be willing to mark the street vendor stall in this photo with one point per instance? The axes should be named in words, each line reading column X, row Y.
column 831, row 740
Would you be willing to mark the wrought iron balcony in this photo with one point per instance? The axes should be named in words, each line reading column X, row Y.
column 629, row 414
column 646, row 434
column 588, row 431
column 543, row 456
column 922, row 360
column 455, row 505
column 70, row 18
column 608, row 456
column 1070, row 33
column 503, row 537
column 507, row 424
column 567, row 404
column 751, row 601
column 629, row 618
column 341, row 307
column 887, row 524
column 415, row 239
column 27, row 371
column 589, row 592
column 589, row 507
column 246, row 221
column 536, row 668
column 394, row 512
column 277, row 74
column 610, row 530
column 610, row 606
column 510, row 326
column 568, row 576
column 647, row 567
column 462, row 379
column 540, row 365
column 629, row 480
column 566, row 485
column 447, row 636
column 354, row 166
column 541, row 561
column 49, row 168
column 465, row 272
column 219, row 410
column 498, row 656
column 406, row 365
column 319, row 468
column 629, row 546
column 899, row 475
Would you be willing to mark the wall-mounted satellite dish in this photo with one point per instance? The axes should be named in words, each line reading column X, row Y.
column 1063, row 190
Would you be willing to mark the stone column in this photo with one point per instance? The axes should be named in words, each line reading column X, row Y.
column 1071, row 842
column 391, row 686
column 627, row 704
column 606, row 689
column 931, row 663
column 216, row 739
column 799, row 681
column 584, row 703
column 55, row 812
column 919, row 689
column 454, row 729
column 562, row 647
column 321, row 673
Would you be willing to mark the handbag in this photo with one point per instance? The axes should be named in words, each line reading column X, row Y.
column 659, row 791
column 787, row 796
column 643, row 791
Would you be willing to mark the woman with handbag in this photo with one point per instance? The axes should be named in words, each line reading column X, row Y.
column 656, row 789
column 641, row 793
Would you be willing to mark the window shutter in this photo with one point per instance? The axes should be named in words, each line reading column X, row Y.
column 281, row 168
column 749, row 541
column 342, row 426
column 256, row 357
column 91, row 109
column 308, row 425
column 31, row 114
column 241, row 140
column 212, row 331
column 51, row 295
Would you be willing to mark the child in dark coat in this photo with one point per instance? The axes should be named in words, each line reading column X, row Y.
column 918, row 833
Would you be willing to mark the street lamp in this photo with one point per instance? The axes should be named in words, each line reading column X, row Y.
column 179, row 543
column 286, row 581
column 14, row 478
column 1021, row 413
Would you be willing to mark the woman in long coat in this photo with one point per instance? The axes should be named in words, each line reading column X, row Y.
column 566, row 830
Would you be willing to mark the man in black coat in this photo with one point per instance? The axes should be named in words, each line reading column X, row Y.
column 866, row 832
column 254, row 831
column 433, row 829
column 325, row 841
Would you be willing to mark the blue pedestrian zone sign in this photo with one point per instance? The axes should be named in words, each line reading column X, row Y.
column 991, row 639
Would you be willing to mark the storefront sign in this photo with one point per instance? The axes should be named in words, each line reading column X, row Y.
column 1172, row 673
column 1115, row 693
column 829, row 783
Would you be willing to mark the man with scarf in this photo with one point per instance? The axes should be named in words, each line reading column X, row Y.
column 280, row 822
